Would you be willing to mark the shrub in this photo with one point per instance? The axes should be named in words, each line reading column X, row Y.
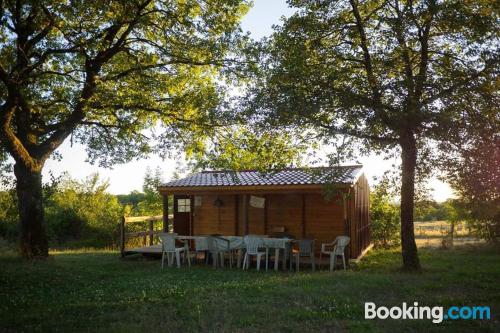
column 8, row 215
column 83, row 210
column 386, row 223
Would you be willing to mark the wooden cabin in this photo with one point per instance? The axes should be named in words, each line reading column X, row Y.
column 319, row 203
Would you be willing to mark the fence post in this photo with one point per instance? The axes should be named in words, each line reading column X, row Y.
column 151, row 230
column 122, row 236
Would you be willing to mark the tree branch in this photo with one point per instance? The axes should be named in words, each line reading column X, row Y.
column 12, row 143
column 370, row 75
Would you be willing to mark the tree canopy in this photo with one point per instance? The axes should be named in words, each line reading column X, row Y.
column 123, row 78
column 104, row 71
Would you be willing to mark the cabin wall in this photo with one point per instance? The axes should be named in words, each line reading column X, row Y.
column 360, row 217
column 324, row 219
column 304, row 215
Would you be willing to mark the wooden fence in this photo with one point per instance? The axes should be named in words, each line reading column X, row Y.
column 147, row 236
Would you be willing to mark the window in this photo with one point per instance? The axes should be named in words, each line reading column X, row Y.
column 183, row 205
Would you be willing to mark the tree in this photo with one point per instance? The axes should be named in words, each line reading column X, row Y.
column 152, row 204
column 106, row 73
column 475, row 176
column 382, row 72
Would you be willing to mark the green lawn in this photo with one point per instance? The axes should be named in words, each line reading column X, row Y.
column 97, row 291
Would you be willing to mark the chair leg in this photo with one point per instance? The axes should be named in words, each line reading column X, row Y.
column 186, row 255
column 238, row 259
column 319, row 263
column 245, row 261
column 188, row 258
column 162, row 259
column 313, row 263
column 332, row 262
column 284, row 259
column 267, row 258
column 221, row 259
column 259, row 257
column 343, row 261
column 215, row 256
column 298, row 262
column 178, row 258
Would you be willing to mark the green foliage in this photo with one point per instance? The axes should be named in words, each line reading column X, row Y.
column 385, row 218
column 6, row 180
column 474, row 174
column 152, row 203
column 246, row 149
column 431, row 210
column 132, row 199
column 83, row 210
column 106, row 71
column 8, row 214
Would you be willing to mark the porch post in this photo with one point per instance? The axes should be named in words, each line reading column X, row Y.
column 245, row 213
column 236, row 215
column 344, row 207
column 165, row 212
column 122, row 236
column 303, row 216
column 265, row 214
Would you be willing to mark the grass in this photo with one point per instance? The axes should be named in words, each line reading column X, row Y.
column 95, row 291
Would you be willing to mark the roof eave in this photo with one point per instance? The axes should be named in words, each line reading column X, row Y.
column 231, row 189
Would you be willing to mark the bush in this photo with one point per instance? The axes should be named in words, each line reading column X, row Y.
column 8, row 215
column 483, row 219
column 386, row 223
column 83, row 210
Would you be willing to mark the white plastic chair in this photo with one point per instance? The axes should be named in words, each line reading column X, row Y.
column 201, row 245
column 305, row 248
column 252, row 245
column 218, row 246
column 169, row 249
column 339, row 245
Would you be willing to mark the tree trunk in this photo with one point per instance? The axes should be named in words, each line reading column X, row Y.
column 33, row 242
column 409, row 162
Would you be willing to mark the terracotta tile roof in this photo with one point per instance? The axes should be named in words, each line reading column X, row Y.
column 298, row 176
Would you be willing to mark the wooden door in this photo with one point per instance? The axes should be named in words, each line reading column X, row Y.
column 182, row 214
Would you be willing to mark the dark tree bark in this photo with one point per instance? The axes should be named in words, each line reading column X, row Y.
column 33, row 239
column 409, row 162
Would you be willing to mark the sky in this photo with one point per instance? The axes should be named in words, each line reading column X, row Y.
column 127, row 177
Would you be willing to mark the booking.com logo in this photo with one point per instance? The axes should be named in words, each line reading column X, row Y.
column 436, row 313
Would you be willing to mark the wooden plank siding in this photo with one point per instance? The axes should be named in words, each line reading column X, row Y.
column 324, row 218
column 285, row 210
column 209, row 219
column 256, row 225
